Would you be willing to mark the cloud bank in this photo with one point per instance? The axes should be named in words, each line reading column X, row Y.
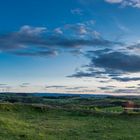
column 39, row 41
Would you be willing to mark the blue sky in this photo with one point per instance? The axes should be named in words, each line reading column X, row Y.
column 70, row 46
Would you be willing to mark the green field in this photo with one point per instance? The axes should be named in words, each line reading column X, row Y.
column 67, row 119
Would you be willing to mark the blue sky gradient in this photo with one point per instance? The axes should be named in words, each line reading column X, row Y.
column 70, row 46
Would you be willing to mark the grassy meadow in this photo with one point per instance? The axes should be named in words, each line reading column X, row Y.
column 67, row 119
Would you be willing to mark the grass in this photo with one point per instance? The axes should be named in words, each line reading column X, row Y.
column 29, row 122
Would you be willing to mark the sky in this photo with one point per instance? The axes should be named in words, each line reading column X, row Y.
column 70, row 46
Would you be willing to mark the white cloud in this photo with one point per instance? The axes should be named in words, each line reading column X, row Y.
column 124, row 3
column 114, row 1
column 82, row 29
column 26, row 29
column 96, row 34
column 58, row 30
column 77, row 11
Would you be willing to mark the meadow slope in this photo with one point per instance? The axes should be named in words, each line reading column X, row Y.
column 37, row 122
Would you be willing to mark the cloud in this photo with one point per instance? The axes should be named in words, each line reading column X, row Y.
column 23, row 86
column 76, row 52
column 58, row 31
column 21, row 39
column 97, row 52
column 3, row 84
column 82, row 91
column 107, row 88
column 38, row 41
column 83, row 30
column 110, row 64
column 124, row 3
column 73, row 43
column 134, row 47
column 37, row 53
column 55, row 86
column 76, row 88
column 77, row 11
column 32, row 31
column 126, row 79
column 114, row 1
column 126, row 90
column 131, row 87
column 81, row 74
column 78, row 28
column 117, row 61
column 26, row 84
column 4, row 87
column 94, row 74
